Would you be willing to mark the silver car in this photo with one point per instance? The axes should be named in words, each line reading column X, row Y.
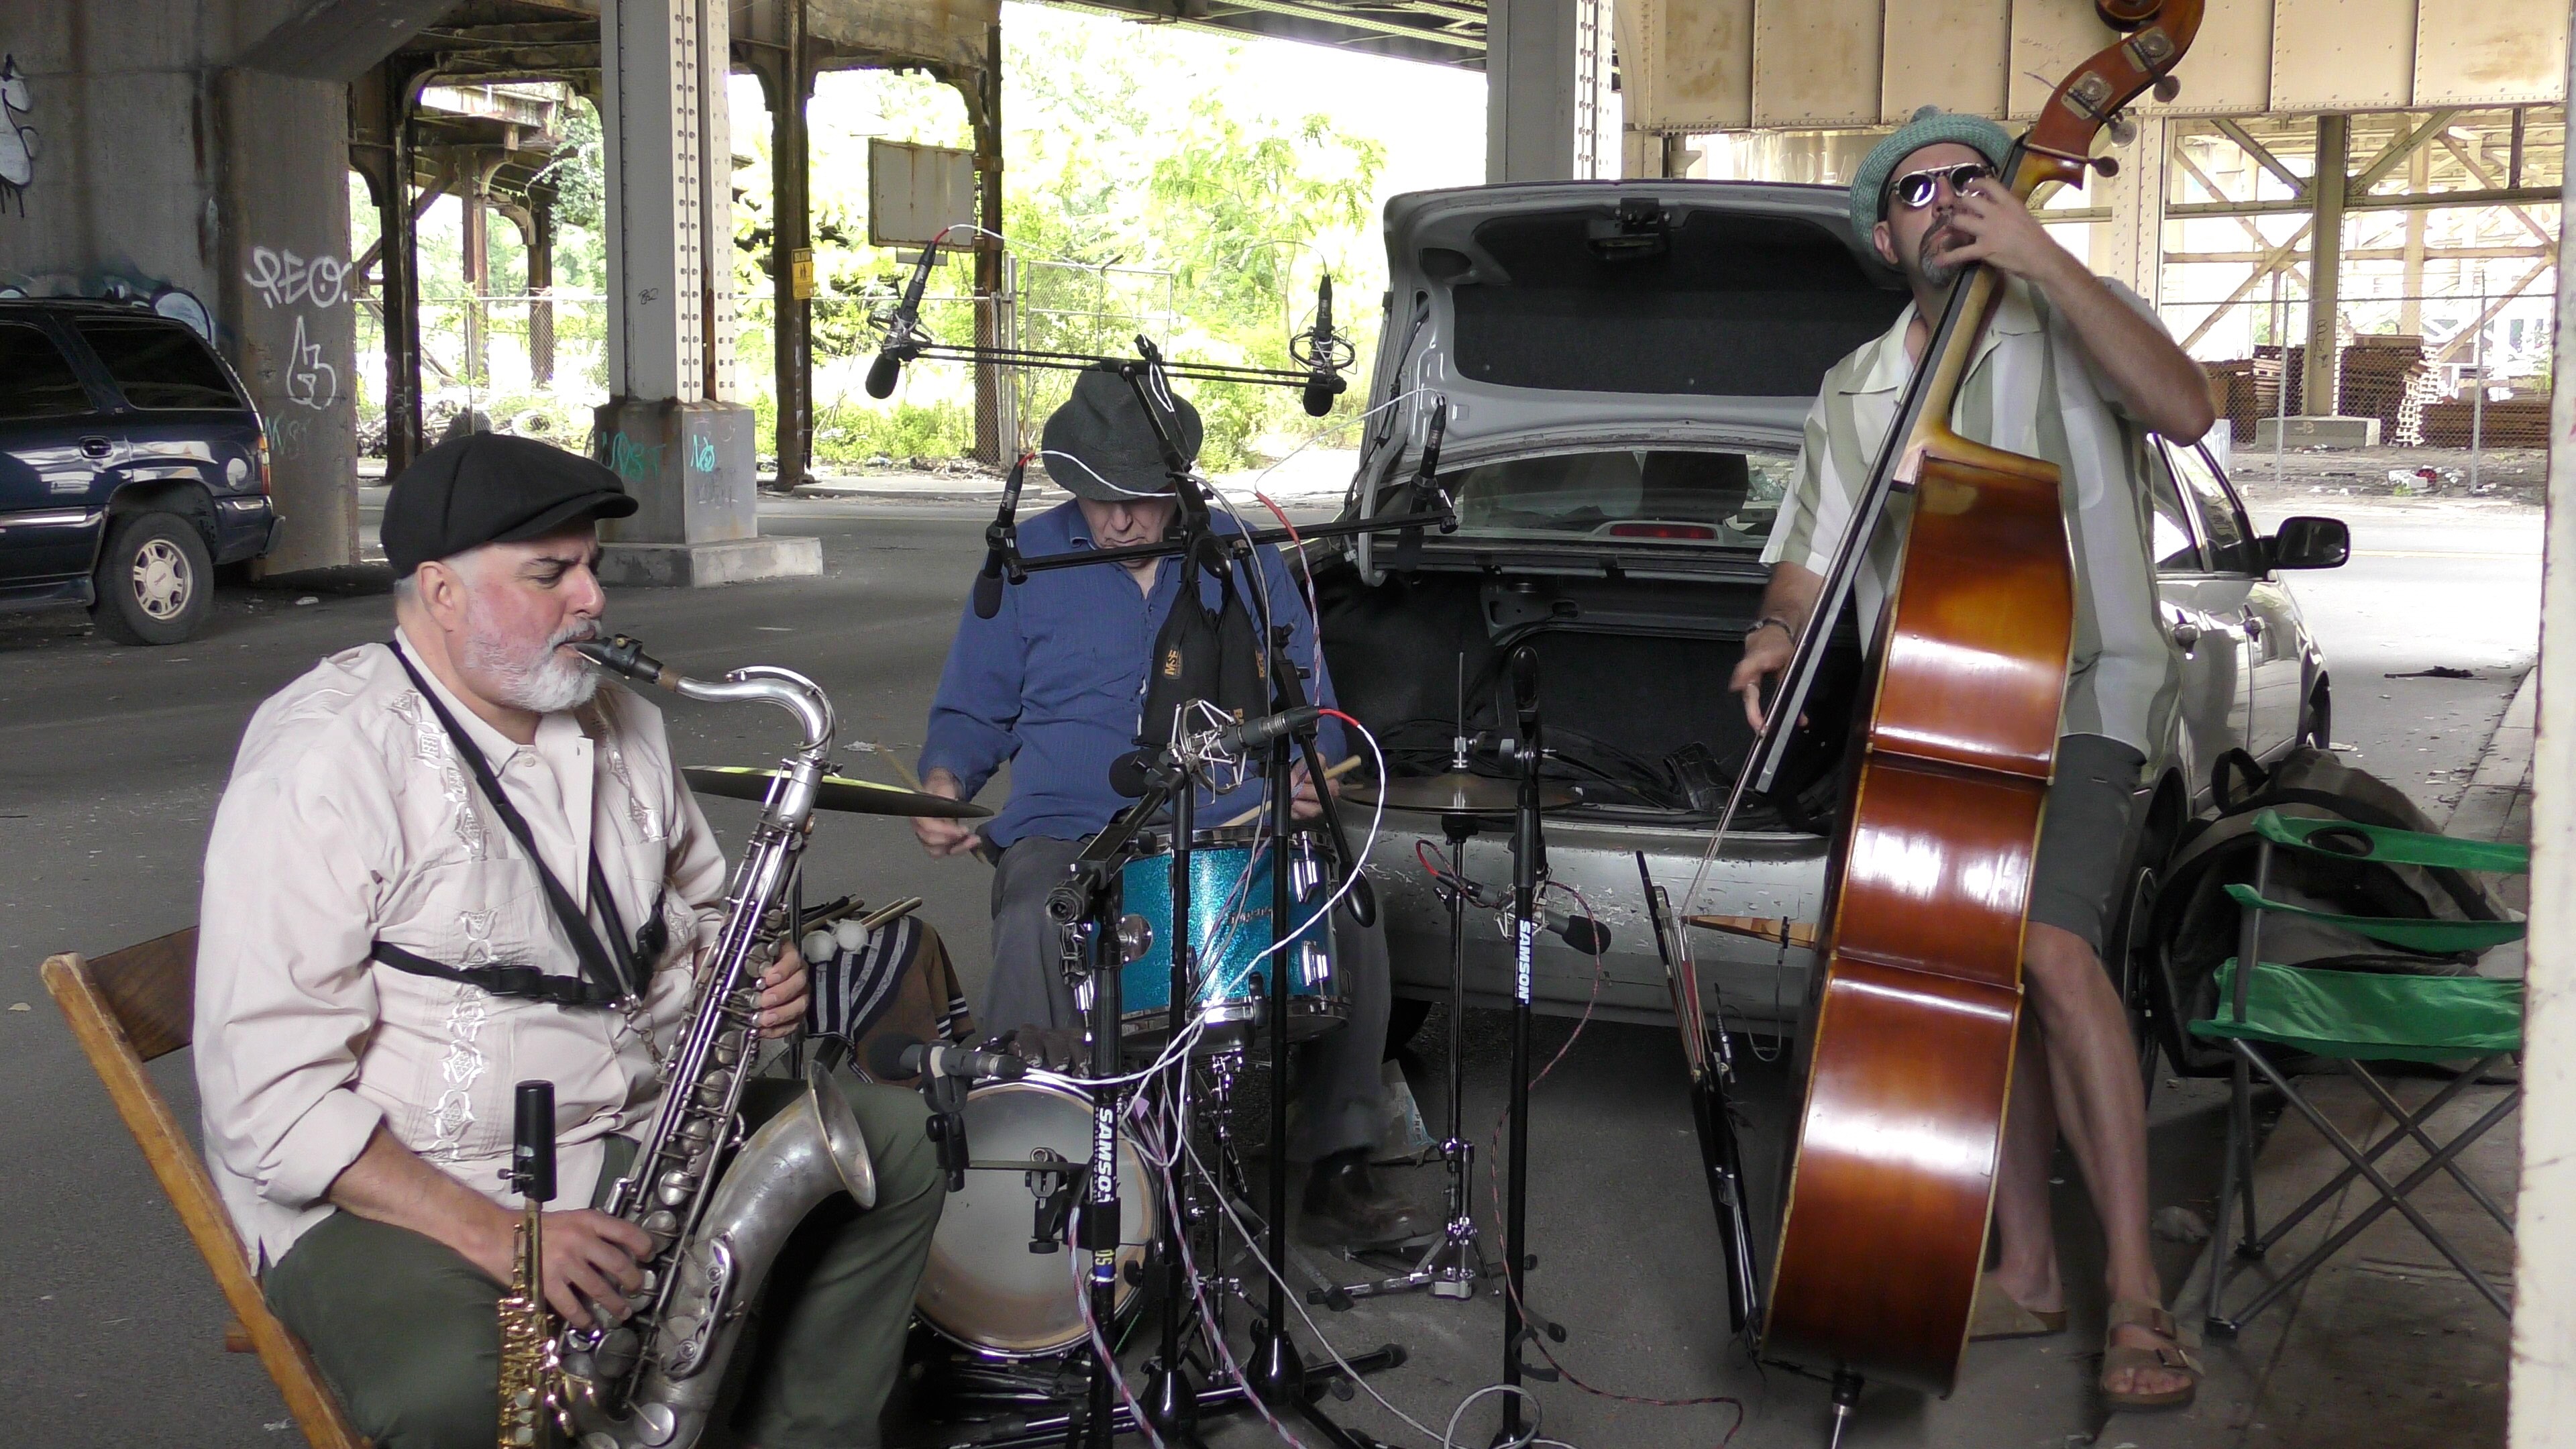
column 1626, row 367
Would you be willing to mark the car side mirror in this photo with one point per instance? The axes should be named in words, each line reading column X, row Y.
column 2310, row 543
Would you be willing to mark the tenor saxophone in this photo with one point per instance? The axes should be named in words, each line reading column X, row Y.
column 650, row 1382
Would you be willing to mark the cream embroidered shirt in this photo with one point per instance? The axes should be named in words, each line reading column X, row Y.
column 349, row 819
column 2030, row 389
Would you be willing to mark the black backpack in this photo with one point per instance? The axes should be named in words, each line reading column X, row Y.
column 2196, row 926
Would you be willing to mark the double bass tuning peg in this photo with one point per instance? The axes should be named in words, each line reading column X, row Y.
column 2107, row 165
column 2123, row 131
column 2167, row 88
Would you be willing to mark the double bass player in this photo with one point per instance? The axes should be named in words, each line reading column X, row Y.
column 2073, row 369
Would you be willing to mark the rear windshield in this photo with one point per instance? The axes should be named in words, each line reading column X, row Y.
column 1649, row 496
column 35, row 379
column 1735, row 306
column 159, row 365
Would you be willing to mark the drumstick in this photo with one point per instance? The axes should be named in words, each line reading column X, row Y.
column 1334, row 773
column 902, row 772
column 1778, row 930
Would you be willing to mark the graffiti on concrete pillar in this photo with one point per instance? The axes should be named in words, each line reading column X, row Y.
column 17, row 138
column 310, row 380
column 284, row 279
column 633, row 461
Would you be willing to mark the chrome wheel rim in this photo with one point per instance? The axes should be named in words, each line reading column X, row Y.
column 162, row 581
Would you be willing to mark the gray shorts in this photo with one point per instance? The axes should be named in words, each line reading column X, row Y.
column 2084, row 837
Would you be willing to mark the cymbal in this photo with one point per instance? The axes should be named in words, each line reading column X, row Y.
column 1457, row 794
column 857, row 797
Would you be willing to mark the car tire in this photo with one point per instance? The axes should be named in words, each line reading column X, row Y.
column 2316, row 722
column 155, row 580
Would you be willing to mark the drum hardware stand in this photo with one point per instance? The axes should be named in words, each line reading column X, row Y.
column 1455, row 1261
column 1529, row 866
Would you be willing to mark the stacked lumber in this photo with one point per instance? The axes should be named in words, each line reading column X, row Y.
column 2384, row 376
column 2521, row 422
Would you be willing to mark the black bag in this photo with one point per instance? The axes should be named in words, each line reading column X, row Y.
column 2197, row 927
column 1202, row 653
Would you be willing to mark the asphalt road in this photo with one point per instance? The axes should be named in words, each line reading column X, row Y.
column 111, row 760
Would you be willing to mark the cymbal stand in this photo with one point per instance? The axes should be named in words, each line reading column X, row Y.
column 1528, row 866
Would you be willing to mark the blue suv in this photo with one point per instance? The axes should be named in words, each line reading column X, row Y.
column 131, row 464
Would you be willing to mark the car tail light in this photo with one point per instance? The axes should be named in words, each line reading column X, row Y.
column 1686, row 532
column 263, row 463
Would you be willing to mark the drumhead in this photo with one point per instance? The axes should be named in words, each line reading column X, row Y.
column 983, row 1288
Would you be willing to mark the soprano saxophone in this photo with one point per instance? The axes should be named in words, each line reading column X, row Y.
column 650, row 1382
column 531, row 1383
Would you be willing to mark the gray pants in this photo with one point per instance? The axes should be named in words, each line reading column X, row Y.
column 1338, row 1094
column 406, row 1330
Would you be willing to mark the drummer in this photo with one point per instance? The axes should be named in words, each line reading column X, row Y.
column 1052, row 683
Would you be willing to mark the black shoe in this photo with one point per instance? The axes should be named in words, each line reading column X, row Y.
column 1345, row 1208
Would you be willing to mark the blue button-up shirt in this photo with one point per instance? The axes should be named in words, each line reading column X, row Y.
column 1054, row 681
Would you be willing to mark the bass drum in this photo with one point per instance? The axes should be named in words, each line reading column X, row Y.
column 983, row 1288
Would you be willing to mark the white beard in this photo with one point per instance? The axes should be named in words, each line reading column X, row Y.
column 541, row 681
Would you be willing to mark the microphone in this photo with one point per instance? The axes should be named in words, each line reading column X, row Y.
column 1134, row 772
column 899, row 345
column 898, row 1055
column 532, row 1143
column 1583, row 933
column 1408, row 548
column 1001, row 543
column 1267, row 730
column 1323, row 354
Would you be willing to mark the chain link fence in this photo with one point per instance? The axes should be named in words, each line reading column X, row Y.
column 2450, row 390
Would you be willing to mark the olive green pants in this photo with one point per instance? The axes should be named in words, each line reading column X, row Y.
column 405, row 1330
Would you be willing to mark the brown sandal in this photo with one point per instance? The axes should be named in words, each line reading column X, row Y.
column 1998, row 1314
column 2173, row 1356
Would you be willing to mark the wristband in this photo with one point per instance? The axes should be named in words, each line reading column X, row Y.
column 1775, row 621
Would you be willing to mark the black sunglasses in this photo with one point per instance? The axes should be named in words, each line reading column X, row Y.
column 1915, row 189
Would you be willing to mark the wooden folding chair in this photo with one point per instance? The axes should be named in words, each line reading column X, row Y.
column 126, row 1009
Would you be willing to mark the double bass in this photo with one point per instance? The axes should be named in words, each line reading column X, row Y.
column 1917, row 1009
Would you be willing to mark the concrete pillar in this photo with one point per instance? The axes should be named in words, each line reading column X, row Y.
column 670, row 428
column 1531, row 101
column 2410, row 310
column 2325, row 263
column 791, row 240
column 2134, row 250
column 2543, row 1390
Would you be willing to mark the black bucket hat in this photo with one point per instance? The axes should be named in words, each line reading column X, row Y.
column 481, row 488
column 1099, row 445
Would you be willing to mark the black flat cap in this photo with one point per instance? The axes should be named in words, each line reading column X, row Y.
column 492, row 488
column 1099, row 446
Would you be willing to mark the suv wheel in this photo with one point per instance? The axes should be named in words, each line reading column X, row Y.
column 155, row 580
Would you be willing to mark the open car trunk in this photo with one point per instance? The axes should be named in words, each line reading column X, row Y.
column 1633, row 692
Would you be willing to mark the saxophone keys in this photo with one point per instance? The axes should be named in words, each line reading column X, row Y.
column 674, row 1189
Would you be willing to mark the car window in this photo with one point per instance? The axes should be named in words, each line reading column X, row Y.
column 2232, row 548
column 1646, row 495
column 159, row 365
column 2177, row 552
column 36, row 380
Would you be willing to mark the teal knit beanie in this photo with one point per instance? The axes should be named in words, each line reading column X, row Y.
column 1929, row 126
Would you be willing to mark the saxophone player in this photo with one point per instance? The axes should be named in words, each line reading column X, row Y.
column 454, row 861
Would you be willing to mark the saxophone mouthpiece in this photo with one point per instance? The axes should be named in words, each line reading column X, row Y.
column 624, row 654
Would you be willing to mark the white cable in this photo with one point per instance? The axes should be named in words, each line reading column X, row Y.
column 1448, row 1434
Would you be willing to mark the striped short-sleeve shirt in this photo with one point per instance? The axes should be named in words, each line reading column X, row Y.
column 2031, row 390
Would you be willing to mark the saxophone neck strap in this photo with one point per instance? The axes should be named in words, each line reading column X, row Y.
column 609, row 970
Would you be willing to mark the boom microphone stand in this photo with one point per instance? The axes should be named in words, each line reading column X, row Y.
column 1528, row 866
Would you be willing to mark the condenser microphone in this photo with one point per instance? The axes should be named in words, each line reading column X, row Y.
column 899, row 345
column 1001, row 540
column 1324, row 380
column 897, row 1056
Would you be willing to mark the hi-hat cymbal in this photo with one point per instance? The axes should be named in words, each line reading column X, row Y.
column 1457, row 794
column 857, row 797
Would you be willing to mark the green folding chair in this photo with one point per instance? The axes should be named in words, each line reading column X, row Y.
column 2353, row 1017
